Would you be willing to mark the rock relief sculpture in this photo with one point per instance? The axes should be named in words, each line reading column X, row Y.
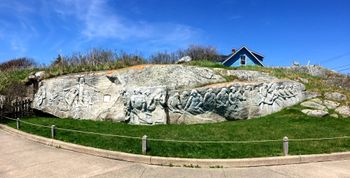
column 209, row 102
column 222, row 99
column 194, row 103
column 174, row 103
column 40, row 96
column 145, row 107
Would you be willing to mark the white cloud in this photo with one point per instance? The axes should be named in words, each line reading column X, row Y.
column 100, row 21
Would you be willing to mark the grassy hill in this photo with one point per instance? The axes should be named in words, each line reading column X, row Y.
column 289, row 122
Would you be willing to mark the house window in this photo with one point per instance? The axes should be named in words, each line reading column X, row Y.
column 242, row 59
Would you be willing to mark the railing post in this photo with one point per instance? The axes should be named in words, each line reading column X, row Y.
column 285, row 146
column 18, row 123
column 53, row 131
column 144, row 144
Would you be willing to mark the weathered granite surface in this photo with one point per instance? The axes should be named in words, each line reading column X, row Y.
column 335, row 96
column 247, row 75
column 234, row 101
column 314, row 104
column 315, row 113
column 344, row 111
column 161, row 94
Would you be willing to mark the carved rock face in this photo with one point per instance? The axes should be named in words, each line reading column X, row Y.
column 235, row 101
column 163, row 94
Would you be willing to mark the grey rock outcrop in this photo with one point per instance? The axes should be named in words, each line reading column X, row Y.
column 161, row 94
column 314, row 113
column 314, row 104
column 310, row 95
column 335, row 96
column 334, row 115
column 37, row 76
column 331, row 104
column 184, row 60
column 344, row 111
column 235, row 101
column 313, row 70
column 247, row 75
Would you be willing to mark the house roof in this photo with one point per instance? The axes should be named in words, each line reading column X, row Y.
column 254, row 54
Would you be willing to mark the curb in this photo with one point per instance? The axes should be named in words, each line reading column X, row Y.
column 180, row 162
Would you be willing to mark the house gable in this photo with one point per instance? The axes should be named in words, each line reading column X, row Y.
column 250, row 58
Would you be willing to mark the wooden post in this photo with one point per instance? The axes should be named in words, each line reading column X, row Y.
column 53, row 131
column 285, row 146
column 144, row 144
column 18, row 123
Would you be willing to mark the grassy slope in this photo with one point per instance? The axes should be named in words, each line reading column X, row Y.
column 289, row 122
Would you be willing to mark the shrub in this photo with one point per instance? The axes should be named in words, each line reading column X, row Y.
column 18, row 63
column 197, row 52
column 164, row 58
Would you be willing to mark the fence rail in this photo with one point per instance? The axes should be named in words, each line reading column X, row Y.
column 144, row 139
column 17, row 107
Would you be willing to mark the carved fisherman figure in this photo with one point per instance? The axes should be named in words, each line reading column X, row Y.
column 222, row 99
column 174, row 103
column 194, row 103
column 209, row 100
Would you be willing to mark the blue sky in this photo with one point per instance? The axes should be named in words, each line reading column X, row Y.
column 282, row 30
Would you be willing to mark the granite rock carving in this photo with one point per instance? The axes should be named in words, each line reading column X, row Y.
column 163, row 98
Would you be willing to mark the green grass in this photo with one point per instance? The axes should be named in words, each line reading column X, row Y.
column 289, row 122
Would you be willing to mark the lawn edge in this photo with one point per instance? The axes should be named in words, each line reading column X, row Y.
column 180, row 162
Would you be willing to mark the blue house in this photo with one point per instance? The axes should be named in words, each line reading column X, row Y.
column 243, row 57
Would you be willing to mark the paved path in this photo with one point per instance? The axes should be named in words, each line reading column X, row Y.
column 22, row 158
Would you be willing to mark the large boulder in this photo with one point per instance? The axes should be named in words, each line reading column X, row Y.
column 314, row 113
column 314, row 104
column 335, row 96
column 184, row 59
column 344, row 111
column 160, row 94
column 331, row 104
column 37, row 76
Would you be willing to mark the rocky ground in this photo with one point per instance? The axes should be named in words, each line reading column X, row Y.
column 328, row 104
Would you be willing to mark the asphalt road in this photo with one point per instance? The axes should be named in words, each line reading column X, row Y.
column 23, row 158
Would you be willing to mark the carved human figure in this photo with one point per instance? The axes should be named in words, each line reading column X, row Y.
column 234, row 98
column 158, row 114
column 80, row 94
column 263, row 90
column 40, row 95
column 150, row 107
column 281, row 97
column 269, row 95
column 146, row 107
column 268, row 103
column 174, row 103
column 184, row 97
column 209, row 102
column 222, row 99
column 194, row 103
column 137, row 107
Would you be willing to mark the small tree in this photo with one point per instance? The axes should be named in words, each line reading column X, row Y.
column 18, row 63
column 163, row 58
column 197, row 52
